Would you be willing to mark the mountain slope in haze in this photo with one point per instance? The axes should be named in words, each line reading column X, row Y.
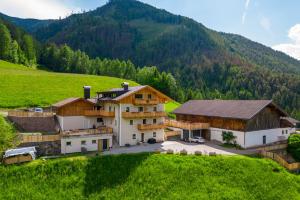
column 208, row 64
column 30, row 25
column 131, row 29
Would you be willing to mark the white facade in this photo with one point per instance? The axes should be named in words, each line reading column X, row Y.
column 128, row 130
column 74, row 144
column 125, row 130
column 253, row 138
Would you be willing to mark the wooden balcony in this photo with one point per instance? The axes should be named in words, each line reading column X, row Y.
column 86, row 132
column 100, row 113
column 144, row 127
column 186, row 125
column 145, row 101
column 143, row 114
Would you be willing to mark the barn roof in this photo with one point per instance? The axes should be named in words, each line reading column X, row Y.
column 235, row 109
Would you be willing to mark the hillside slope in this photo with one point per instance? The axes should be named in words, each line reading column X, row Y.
column 149, row 176
column 23, row 86
column 206, row 63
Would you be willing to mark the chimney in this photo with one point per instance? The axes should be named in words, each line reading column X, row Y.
column 87, row 92
column 125, row 86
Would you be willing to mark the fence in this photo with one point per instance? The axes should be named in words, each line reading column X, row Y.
column 39, row 138
column 280, row 160
column 29, row 114
column 273, row 147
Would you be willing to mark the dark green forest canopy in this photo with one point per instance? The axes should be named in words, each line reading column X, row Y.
column 199, row 62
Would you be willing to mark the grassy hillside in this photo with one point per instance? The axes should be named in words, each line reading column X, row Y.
column 22, row 86
column 149, row 176
column 7, row 134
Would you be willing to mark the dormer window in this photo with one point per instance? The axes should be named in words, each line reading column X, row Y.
column 149, row 96
column 138, row 96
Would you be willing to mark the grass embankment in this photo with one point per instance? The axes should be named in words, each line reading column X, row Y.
column 7, row 134
column 25, row 87
column 170, row 107
column 149, row 176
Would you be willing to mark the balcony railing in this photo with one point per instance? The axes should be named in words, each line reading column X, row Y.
column 145, row 101
column 143, row 127
column 143, row 114
column 85, row 132
column 186, row 125
column 101, row 113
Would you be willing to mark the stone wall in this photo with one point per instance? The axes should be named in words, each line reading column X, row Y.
column 45, row 148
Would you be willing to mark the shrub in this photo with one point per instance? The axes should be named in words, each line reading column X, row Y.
column 170, row 151
column 294, row 146
column 183, row 152
column 198, row 153
column 228, row 137
column 212, row 154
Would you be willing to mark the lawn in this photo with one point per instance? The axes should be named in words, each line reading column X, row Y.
column 149, row 176
column 25, row 87
column 170, row 107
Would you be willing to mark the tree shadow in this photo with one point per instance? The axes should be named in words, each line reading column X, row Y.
column 110, row 171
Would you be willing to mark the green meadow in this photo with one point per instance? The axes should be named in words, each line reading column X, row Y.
column 149, row 176
column 22, row 86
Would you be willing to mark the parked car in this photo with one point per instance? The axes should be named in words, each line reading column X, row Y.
column 39, row 110
column 151, row 141
column 197, row 139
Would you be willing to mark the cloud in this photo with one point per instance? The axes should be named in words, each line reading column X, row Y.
column 247, row 3
column 265, row 23
column 293, row 48
column 40, row 9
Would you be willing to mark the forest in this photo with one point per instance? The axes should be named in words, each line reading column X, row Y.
column 174, row 54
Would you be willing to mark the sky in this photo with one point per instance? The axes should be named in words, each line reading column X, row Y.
column 275, row 23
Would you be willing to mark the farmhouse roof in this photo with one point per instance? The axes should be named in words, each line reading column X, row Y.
column 235, row 109
column 71, row 100
column 121, row 93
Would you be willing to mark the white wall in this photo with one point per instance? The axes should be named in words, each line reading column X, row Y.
column 128, row 130
column 76, row 143
column 73, row 122
column 255, row 138
column 216, row 134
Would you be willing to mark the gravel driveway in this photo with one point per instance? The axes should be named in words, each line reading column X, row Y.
column 177, row 146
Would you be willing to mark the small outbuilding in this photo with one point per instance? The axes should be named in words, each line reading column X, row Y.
column 19, row 155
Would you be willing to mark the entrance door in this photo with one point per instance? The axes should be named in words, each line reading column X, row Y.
column 100, row 146
column 142, row 137
column 105, row 145
column 264, row 139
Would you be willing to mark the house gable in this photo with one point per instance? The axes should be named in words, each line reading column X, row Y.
column 75, row 108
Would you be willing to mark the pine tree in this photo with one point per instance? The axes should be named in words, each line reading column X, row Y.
column 5, row 42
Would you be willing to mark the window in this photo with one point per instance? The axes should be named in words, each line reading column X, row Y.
column 138, row 96
column 115, row 122
column 141, row 109
column 68, row 143
column 99, row 120
column 282, row 132
column 149, row 96
column 154, row 121
column 127, row 109
column 131, row 122
column 154, row 134
column 286, row 131
column 109, row 108
column 133, row 136
column 94, row 141
column 155, row 109
column 83, row 142
column 144, row 121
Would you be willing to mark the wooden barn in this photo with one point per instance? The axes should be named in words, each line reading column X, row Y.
column 253, row 122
